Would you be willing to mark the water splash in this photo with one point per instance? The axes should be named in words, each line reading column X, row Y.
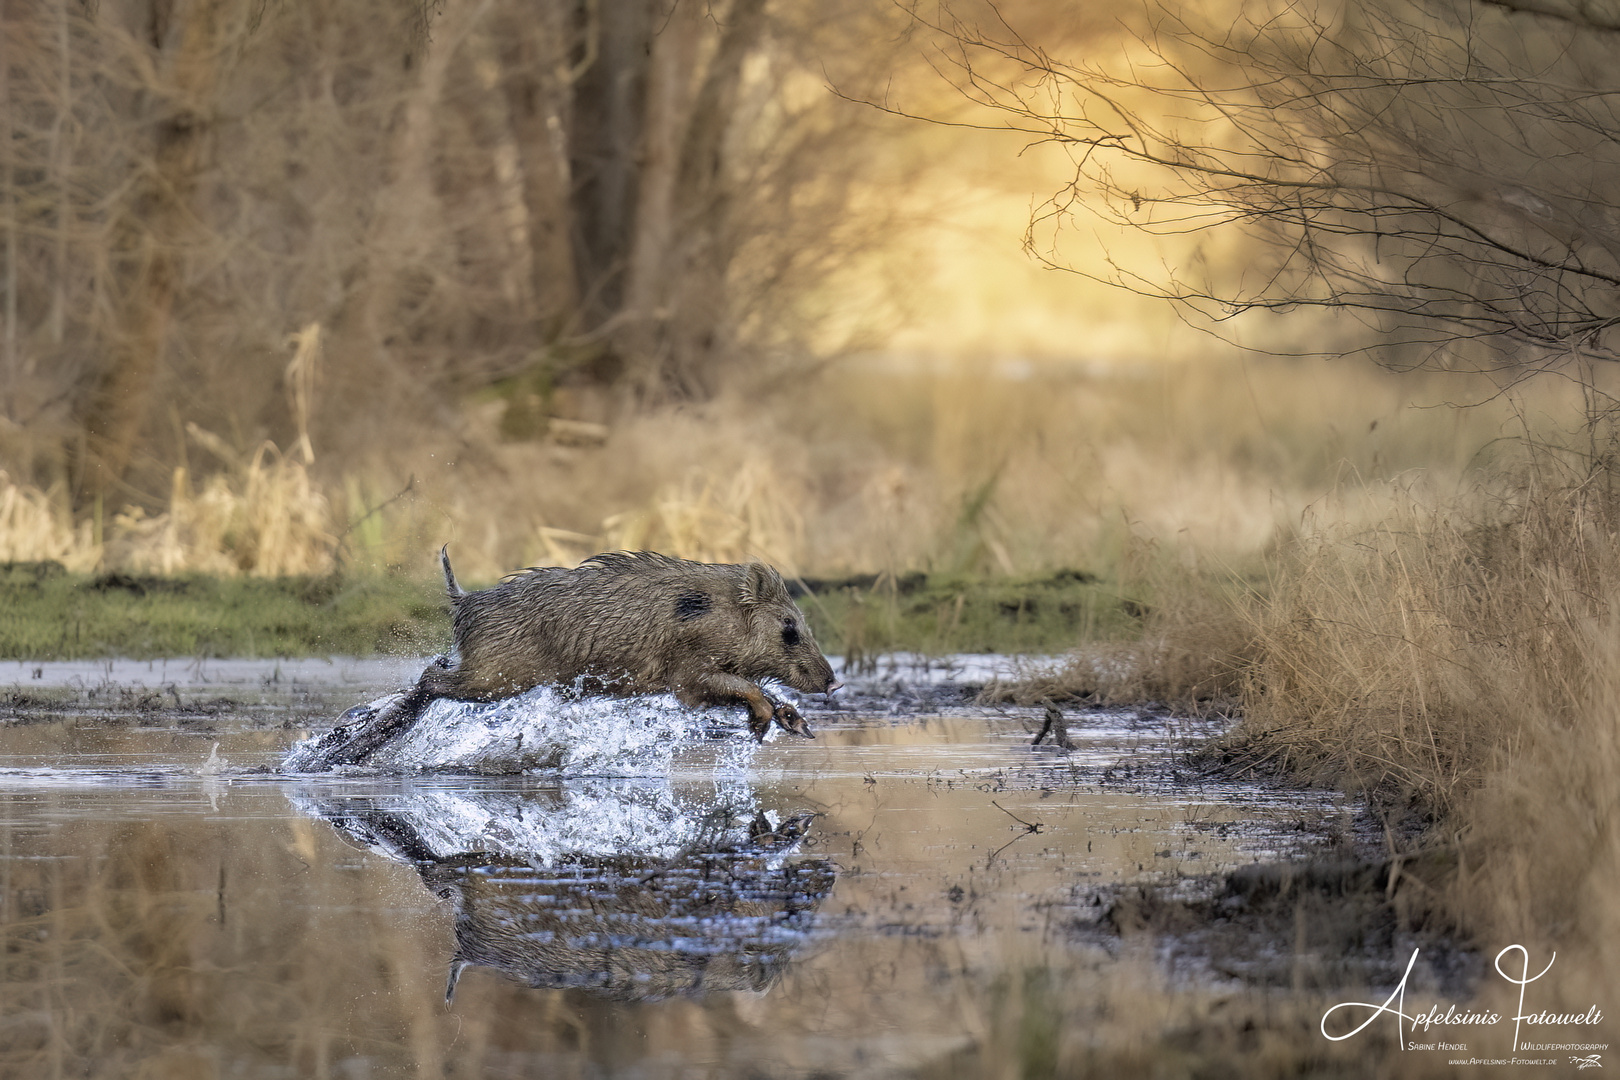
column 215, row 765
column 546, row 730
column 583, row 817
column 628, row 888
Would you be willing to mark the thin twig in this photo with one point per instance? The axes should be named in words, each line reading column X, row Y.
column 1028, row 827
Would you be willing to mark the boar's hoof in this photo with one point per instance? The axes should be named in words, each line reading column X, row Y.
column 788, row 719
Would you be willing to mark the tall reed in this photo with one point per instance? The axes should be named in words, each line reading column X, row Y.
column 1461, row 659
column 869, row 468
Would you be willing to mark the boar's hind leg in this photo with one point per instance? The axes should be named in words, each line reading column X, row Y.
column 353, row 745
column 717, row 687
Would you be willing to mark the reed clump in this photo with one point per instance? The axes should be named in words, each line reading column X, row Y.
column 266, row 516
column 1426, row 653
column 1451, row 650
column 1460, row 661
column 36, row 525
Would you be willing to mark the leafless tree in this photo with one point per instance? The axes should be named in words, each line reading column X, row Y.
column 458, row 196
column 1443, row 171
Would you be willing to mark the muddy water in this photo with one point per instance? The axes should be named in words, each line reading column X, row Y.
column 914, row 890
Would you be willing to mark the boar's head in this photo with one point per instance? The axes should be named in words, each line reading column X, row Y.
column 780, row 644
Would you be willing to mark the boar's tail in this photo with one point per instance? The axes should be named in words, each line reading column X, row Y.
column 450, row 585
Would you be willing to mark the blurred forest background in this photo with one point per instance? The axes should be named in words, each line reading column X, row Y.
column 287, row 287
column 262, row 262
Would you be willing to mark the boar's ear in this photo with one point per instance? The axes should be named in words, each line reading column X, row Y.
column 760, row 583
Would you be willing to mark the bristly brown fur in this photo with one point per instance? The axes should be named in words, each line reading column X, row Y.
column 621, row 623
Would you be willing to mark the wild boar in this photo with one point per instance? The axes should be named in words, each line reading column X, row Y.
column 636, row 623
column 619, row 623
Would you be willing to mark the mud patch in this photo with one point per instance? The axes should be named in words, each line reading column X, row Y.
column 1314, row 925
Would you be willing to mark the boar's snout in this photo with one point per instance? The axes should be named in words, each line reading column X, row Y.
column 810, row 677
column 806, row 670
column 814, row 677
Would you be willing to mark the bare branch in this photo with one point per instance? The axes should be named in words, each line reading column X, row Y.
column 1445, row 172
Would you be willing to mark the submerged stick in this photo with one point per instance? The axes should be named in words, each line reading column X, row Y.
column 1055, row 727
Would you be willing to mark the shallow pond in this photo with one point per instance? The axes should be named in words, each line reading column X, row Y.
column 913, row 891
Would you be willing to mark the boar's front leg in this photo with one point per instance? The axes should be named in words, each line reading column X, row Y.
column 716, row 687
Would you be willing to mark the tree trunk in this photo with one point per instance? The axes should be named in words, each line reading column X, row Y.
column 149, row 240
column 657, row 228
column 699, row 338
column 8, row 261
column 402, row 232
column 539, row 76
column 609, row 122
column 676, row 294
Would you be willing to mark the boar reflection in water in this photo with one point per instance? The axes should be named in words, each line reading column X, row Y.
column 630, row 927
column 619, row 623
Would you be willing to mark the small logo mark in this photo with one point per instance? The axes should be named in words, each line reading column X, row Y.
column 1591, row 1061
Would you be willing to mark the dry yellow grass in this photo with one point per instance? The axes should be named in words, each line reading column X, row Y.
column 886, row 463
column 1461, row 658
column 268, row 518
column 1423, row 608
column 37, row 525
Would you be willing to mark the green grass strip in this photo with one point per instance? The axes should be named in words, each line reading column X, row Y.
column 49, row 614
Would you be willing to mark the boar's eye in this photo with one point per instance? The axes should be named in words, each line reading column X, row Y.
column 790, row 633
